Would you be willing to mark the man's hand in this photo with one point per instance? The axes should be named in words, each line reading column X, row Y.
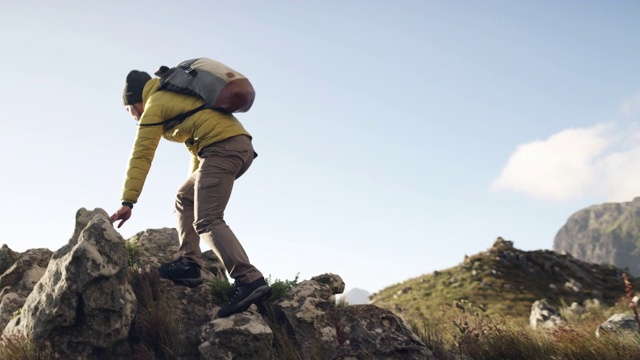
column 123, row 214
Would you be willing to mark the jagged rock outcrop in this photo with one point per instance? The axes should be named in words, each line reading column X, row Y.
column 322, row 330
column 101, row 297
column 604, row 234
column 83, row 303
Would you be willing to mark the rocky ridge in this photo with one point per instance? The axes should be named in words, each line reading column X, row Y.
column 506, row 281
column 91, row 300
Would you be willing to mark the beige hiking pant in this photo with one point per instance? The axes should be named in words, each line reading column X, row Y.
column 201, row 201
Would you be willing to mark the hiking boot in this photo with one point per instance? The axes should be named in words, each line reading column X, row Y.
column 244, row 295
column 181, row 272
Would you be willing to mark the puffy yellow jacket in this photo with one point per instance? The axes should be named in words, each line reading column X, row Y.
column 196, row 132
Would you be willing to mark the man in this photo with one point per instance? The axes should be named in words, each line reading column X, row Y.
column 221, row 152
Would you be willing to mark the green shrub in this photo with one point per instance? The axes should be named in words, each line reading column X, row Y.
column 220, row 289
column 281, row 288
column 133, row 254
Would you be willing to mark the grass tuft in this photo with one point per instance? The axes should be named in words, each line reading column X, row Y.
column 18, row 347
column 464, row 331
column 154, row 329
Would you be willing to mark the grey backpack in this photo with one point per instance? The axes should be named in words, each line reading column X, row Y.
column 221, row 87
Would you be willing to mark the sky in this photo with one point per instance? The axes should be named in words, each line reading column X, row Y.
column 394, row 137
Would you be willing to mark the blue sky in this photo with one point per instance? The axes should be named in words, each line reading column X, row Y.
column 394, row 137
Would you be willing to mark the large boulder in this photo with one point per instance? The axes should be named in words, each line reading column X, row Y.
column 83, row 303
column 619, row 324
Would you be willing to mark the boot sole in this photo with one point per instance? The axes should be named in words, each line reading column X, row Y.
column 189, row 282
column 260, row 294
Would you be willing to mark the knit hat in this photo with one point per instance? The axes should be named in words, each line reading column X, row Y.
column 133, row 87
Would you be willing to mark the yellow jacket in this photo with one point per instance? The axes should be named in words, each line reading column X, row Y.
column 196, row 132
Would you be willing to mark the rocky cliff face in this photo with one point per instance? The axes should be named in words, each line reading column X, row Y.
column 604, row 234
column 100, row 297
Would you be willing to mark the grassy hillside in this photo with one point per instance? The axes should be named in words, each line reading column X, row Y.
column 506, row 281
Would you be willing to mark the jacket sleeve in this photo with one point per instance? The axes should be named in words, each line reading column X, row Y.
column 143, row 151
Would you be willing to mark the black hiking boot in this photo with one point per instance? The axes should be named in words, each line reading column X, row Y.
column 181, row 272
column 244, row 295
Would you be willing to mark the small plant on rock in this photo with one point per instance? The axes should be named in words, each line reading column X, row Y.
column 133, row 254
column 281, row 288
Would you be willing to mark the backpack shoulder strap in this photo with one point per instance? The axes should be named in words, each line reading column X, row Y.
column 176, row 120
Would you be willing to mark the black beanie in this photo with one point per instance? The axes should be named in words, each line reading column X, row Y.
column 133, row 87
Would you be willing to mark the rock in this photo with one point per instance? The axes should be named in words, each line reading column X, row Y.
column 573, row 286
column 83, row 302
column 240, row 336
column 157, row 246
column 576, row 309
column 7, row 258
column 17, row 282
column 545, row 316
column 319, row 329
column 619, row 323
column 101, row 297
column 501, row 244
column 194, row 308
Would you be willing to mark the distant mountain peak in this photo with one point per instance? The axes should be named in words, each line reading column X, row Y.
column 356, row 296
column 608, row 233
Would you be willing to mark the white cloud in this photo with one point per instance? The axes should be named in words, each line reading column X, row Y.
column 620, row 175
column 631, row 104
column 575, row 163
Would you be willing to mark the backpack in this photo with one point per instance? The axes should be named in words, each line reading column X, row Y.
column 221, row 87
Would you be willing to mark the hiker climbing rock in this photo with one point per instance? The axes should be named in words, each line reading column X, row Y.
column 192, row 104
